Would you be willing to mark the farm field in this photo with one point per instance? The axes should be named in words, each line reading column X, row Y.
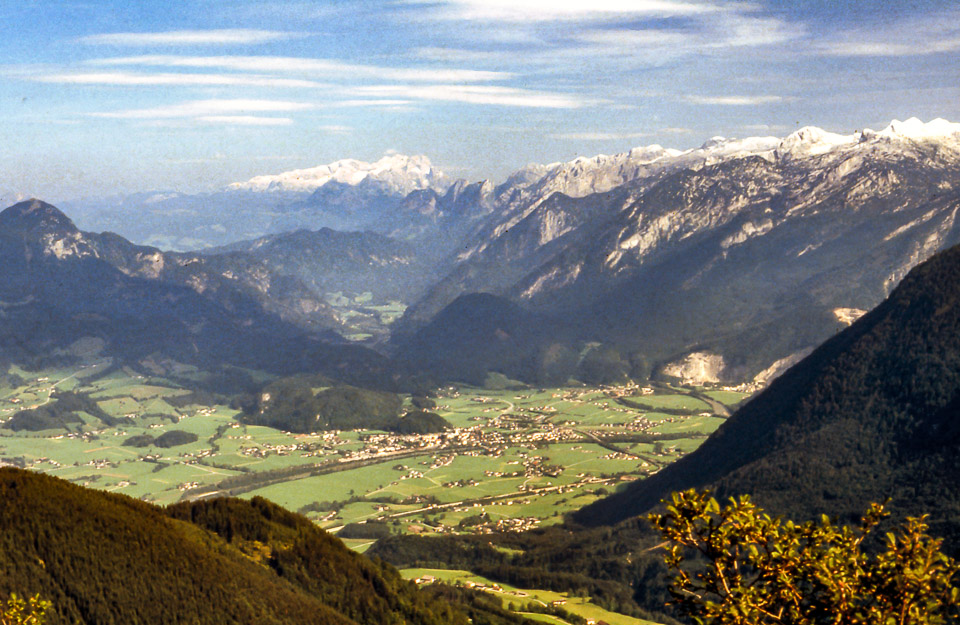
column 517, row 599
column 516, row 459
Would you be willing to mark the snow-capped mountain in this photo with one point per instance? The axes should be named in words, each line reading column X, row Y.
column 398, row 174
column 345, row 195
column 750, row 250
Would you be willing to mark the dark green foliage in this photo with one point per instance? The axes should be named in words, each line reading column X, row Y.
column 479, row 333
column 175, row 438
column 370, row 529
column 292, row 404
column 423, row 403
column 197, row 397
column 42, row 418
column 603, row 365
column 872, row 413
column 421, row 422
column 316, row 562
column 139, row 440
column 614, row 567
column 60, row 412
column 107, row 559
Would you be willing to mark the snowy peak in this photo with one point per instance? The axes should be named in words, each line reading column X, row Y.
column 913, row 128
column 401, row 174
column 584, row 175
column 812, row 141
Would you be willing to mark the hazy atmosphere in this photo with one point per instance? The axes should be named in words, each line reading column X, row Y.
column 111, row 97
column 480, row 312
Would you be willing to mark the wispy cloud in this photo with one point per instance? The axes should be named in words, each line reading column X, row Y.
column 170, row 79
column 208, row 109
column 558, row 10
column 245, row 120
column 371, row 103
column 335, row 129
column 475, row 94
column 307, row 66
column 625, row 43
column 616, row 136
column 934, row 33
column 227, row 36
column 599, row 136
column 733, row 100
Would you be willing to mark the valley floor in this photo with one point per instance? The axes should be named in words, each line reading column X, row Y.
column 515, row 460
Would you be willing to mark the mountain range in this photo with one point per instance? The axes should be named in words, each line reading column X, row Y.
column 723, row 263
column 70, row 295
column 719, row 263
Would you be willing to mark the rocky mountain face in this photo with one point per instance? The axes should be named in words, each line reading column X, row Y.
column 870, row 414
column 64, row 287
column 742, row 252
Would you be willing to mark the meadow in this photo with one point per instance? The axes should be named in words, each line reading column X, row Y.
column 533, row 454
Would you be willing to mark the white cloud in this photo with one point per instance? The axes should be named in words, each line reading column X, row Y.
column 208, row 108
column 765, row 127
column 890, row 48
column 474, row 94
column 335, row 129
column 190, row 80
column 245, row 120
column 229, row 36
column 619, row 136
column 307, row 66
column 371, row 103
column 934, row 33
column 560, row 10
column 733, row 100
column 599, row 136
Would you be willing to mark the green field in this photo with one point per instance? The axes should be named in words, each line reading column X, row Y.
column 516, row 460
column 515, row 598
column 526, row 457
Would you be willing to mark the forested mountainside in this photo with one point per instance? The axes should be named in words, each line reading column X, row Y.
column 871, row 414
column 103, row 558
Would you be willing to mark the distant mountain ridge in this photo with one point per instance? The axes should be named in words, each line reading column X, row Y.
column 397, row 173
column 345, row 195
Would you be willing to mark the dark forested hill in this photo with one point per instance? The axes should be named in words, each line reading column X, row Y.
column 872, row 413
column 108, row 559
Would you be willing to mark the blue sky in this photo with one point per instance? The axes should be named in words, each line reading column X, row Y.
column 104, row 97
